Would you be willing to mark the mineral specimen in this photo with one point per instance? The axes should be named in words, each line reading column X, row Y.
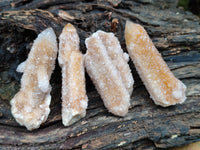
column 164, row 88
column 30, row 106
column 107, row 66
column 118, row 58
column 74, row 99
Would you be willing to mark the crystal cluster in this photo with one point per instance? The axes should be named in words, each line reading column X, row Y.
column 164, row 88
column 74, row 99
column 30, row 106
column 107, row 66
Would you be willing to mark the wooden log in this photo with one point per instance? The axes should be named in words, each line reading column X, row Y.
column 174, row 32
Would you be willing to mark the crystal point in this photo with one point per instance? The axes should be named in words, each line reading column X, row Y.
column 164, row 88
column 109, row 71
column 30, row 106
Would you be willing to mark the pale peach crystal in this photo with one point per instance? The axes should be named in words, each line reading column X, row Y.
column 74, row 98
column 118, row 58
column 164, row 88
column 107, row 66
column 30, row 106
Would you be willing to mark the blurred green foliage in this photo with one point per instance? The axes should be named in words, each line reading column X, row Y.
column 190, row 5
column 184, row 4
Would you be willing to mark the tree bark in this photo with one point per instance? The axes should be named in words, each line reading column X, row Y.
column 174, row 32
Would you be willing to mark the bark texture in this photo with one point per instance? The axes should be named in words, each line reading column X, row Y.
column 174, row 32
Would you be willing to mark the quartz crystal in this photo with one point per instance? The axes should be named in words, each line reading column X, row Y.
column 71, row 60
column 164, row 88
column 118, row 58
column 30, row 106
column 107, row 66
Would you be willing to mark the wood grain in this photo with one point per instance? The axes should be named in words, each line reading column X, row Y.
column 174, row 32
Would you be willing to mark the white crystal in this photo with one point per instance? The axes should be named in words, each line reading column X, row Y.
column 30, row 106
column 74, row 98
column 21, row 67
column 109, row 71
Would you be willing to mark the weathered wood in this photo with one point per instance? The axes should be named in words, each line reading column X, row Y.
column 175, row 33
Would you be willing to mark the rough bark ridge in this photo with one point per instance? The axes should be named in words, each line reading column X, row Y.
column 175, row 33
